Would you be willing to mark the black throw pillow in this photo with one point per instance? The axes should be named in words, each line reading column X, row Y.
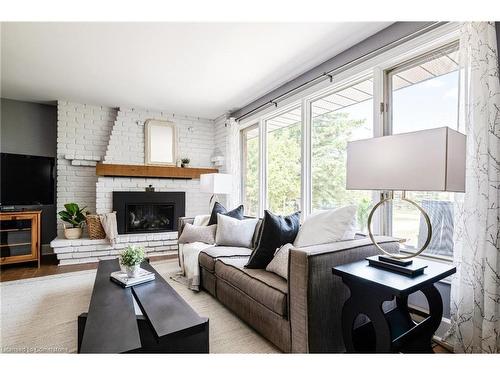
column 275, row 232
column 237, row 213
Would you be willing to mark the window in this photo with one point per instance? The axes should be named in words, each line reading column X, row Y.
column 338, row 118
column 284, row 140
column 250, row 154
column 423, row 95
column 419, row 93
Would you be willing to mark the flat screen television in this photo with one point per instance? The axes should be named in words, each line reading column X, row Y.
column 26, row 180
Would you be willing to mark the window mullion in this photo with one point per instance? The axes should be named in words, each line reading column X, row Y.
column 306, row 159
column 262, row 167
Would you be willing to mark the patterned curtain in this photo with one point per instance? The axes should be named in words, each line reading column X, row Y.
column 233, row 158
column 475, row 296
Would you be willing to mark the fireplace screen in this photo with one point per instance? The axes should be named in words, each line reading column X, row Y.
column 149, row 217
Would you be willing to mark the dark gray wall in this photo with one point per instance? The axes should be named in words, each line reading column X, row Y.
column 31, row 129
column 383, row 38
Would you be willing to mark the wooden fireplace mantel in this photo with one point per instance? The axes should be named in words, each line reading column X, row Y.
column 157, row 171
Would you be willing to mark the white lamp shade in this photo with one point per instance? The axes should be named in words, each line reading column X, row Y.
column 216, row 183
column 427, row 160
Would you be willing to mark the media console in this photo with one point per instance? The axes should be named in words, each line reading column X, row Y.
column 19, row 237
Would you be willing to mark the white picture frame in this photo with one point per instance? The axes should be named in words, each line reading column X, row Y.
column 160, row 141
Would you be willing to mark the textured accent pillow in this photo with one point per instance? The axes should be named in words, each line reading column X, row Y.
column 237, row 213
column 234, row 232
column 194, row 233
column 279, row 264
column 327, row 226
column 201, row 220
column 275, row 232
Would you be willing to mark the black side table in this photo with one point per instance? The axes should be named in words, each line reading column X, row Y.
column 394, row 330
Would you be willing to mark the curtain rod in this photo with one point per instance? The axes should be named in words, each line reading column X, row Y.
column 329, row 74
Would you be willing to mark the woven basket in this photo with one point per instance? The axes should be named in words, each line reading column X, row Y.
column 94, row 227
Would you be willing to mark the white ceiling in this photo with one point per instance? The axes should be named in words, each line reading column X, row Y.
column 200, row 69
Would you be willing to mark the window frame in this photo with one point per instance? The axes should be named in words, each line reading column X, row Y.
column 243, row 161
column 375, row 67
column 264, row 154
column 388, row 73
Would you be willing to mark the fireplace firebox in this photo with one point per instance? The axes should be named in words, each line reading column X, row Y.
column 148, row 212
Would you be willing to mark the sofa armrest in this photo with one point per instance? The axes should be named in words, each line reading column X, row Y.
column 316, row 296
column 181, row 223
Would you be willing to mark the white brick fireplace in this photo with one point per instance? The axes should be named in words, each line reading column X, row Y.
column 89, row 134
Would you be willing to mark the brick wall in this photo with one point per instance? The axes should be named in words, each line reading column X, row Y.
column 82, row 137
column 126, row 143
column 88, row 134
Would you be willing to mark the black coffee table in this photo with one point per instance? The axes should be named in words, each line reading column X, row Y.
column 167, row 324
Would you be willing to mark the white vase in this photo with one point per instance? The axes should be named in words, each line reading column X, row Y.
column 72, row 233
column 133, row 271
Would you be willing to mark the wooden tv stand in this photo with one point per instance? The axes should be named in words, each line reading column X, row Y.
column 20, row 237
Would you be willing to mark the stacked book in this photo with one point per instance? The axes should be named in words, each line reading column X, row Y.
column 121, row 278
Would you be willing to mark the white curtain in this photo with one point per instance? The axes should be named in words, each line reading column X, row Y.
column 233, row 158
column 475, row 296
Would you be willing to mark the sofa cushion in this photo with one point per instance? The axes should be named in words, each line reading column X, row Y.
column 208, row 256
column 234, row 232
column 237, row 213
column 195, row 233
column 262, row 286
column 276, row 231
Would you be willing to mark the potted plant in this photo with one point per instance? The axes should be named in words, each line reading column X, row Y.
column 185, row 162
column 72, row 215
column 131, row 259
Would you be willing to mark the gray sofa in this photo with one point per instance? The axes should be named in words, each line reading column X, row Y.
column 301, row 315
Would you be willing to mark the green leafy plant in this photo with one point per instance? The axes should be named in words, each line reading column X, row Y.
column 73, row 215
column 185, row 161
column 132, row 256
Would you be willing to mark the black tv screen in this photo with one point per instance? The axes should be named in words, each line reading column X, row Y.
column 27, row 180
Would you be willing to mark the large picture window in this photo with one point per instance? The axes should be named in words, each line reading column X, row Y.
column 301, row 160
column 284, row 139
column 423, row 95
column 338, row 118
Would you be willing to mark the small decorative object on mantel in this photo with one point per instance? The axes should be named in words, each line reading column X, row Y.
column 131, row 259
column 74, row 216
column 185, row 162
column 150, row 189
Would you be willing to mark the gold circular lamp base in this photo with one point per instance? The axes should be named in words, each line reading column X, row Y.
column 422, row 211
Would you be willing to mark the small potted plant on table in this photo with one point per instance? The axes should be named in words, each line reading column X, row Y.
column 131, row 259
column 185, row 162
column 72, row 215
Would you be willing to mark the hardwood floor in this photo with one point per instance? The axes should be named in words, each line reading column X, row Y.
column 439, row 349
column 48, row 266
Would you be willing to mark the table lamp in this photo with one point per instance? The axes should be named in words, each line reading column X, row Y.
column 216, row 183
column 426, row 160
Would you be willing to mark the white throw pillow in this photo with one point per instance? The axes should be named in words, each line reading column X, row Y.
column 327, row 226
column 279, row 264
column 193, row 233
column 200, row 220
column 234, row 232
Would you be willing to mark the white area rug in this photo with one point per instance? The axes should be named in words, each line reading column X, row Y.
column 39, row 315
